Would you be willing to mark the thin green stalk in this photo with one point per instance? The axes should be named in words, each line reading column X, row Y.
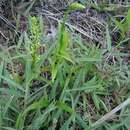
column 26, row 96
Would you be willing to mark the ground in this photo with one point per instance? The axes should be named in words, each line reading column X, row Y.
column 64, row 65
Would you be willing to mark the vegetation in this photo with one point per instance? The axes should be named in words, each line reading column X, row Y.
column 66, row 83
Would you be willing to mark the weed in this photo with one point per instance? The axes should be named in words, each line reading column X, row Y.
column 70, row 85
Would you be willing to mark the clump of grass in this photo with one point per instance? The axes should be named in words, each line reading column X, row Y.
column 65, row 87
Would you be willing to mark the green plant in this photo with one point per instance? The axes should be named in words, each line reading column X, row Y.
column 124, row 25
column 69, row 86
column 63, row 41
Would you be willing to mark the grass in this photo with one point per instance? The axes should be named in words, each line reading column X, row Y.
column 64, row 85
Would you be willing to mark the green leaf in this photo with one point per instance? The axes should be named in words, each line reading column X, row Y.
column 39, row 120
column 81, row 122
column 128, row 18
column 96, row 101
column 104, row 106
column 20, row 41
column 88, row 59
column 1, row 72
column 65, row 126
column 7, row 106
column 8, row 128
column 65, row 41
column 28, row 70
column 66, row 56
column 36, row 105
column 12, row 83
column 89, row 86
column 20, row 122
column 75, row 6
column 54, row 71
column 120, row 26
column 65, row 107
column 11, row 91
